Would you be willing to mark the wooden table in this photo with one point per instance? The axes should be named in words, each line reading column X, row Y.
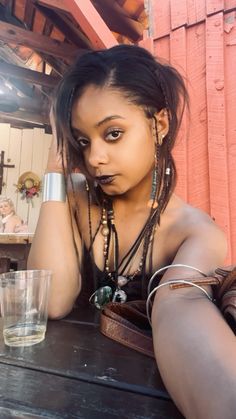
column 78, row 373
column 15, row 248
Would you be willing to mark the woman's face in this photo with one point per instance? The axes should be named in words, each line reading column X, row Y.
column 116, row 139
column 5, row 208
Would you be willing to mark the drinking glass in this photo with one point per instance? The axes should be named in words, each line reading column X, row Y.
column 24, row 306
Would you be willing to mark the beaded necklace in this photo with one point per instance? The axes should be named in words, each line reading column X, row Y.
column 115, row 278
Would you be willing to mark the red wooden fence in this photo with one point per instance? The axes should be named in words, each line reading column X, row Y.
column 199, row 38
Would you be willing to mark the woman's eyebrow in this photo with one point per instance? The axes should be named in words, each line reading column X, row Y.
column 98, row 124
column 108, row 118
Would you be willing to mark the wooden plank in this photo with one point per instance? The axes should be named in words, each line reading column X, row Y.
column 4, row 145
column 29, row 14
column 13, row 34
column 37, row 168
column 214, row 6
column 14, row 156
column 198, row 170
column 18, row 123
column 119, row 21
column 148, row 44
column 88, row 19
column 160, row 12
column 162, row 48
column 26, row 116
column 178, row 60
column 25, row 393
column 229, row 4
column 178, row 12
column 217, row 145
column 64, row 24
column 196, row 11
column 230, row 63
column 25, row 165
column 35, row 77
column 80, row 356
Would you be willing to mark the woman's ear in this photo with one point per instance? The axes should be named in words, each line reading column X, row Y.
column 162, row 124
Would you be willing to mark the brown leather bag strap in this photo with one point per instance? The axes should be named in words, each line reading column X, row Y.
column 120, row 331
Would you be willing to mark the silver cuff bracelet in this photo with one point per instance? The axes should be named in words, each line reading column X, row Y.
column 54, row 187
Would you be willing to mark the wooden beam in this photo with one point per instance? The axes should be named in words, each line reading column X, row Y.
column 15, row 123
column 118, row 20
column 13, row 34
column 65, row 25
column 89, row 20
column 31, row 76
column 25, row 116
column 29, row 14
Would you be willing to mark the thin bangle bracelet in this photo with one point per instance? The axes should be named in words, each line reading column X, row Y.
column 176, row 265
column 171, row 282
column 54, row 187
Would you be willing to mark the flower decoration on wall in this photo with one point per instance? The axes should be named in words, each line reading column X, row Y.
column 29, row 186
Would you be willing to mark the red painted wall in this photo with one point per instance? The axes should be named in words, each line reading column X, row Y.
column 199, row 38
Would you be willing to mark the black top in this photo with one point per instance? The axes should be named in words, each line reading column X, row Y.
column 93, row 278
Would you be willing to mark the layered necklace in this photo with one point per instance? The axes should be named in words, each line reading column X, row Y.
column 114, row 277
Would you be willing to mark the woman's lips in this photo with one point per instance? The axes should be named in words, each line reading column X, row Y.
column 104, row 180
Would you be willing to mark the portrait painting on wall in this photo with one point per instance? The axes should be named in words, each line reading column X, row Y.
column 10, row 222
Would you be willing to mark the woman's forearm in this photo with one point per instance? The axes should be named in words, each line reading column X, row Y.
column 53, row 248
column 190, row 338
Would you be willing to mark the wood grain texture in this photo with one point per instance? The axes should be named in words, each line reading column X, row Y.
column 161, row 20
column 230, row 83
column 216, row 115
column 76, row 372
column 229, row 4
column 209, row 153
column 178, row 59
column 178, row 12
column 214, row 6
column 196, row 11
column 198, row 173
column 162, row 49
column 39, row 394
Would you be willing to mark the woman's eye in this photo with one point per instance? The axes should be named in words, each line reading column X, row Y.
column 83, row 142
column 114, row 135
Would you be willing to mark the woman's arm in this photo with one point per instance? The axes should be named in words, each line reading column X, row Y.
column 53, row 247
column 194, row 347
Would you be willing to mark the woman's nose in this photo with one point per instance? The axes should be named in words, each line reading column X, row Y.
column 98, row 153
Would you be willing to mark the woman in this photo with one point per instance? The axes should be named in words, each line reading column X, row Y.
column 117, row 114
column 11, row 222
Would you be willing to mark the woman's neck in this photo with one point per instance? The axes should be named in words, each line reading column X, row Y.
column 137, row 198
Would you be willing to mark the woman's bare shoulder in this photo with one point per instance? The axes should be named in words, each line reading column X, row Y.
column 195, row 227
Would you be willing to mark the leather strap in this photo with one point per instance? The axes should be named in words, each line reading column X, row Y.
column 127, row 323
column 121, row 330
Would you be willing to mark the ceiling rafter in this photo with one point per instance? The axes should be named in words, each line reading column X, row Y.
column 29, row 14
column 62, row 22
column 25, row 74
column 12, row 34
column 89, row 20
column 39, row 39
